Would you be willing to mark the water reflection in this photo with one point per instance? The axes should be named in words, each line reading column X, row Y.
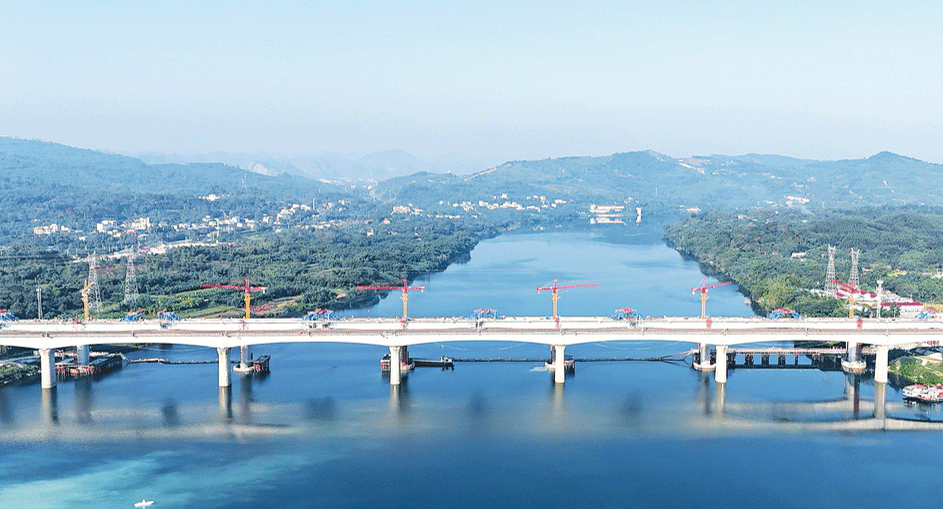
column 6, row 415
column 322, row 410
column 245, row 398
column 704, row 394
column 399, row 401
column 50, row 407
column 170, row 416
column 84, row 401
column 558, row 416
column 632, row 410
column 721, row 398
column 478, row 408
column 225, row 404
column 880, row 400
column 853, row 393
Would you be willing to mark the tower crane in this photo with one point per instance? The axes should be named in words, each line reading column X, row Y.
column 405, row 288
column 554, row 288
column 703, row 289
column 852, row 291
column 245, row 288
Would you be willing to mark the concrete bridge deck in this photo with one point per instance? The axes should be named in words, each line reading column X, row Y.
column 225, row 334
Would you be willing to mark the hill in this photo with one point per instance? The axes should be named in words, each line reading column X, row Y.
column 665, row 185
column 51, row 183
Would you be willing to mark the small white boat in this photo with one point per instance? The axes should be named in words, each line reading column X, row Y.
column 144, row 503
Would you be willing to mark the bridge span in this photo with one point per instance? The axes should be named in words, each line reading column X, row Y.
column 225, row 334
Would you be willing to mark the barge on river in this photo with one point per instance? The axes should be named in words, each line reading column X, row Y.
column 99, row 365
column 924, row 393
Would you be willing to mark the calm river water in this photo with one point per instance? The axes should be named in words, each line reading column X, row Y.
column 325, row 429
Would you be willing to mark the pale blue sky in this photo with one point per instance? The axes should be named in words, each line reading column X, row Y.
column 512, row 80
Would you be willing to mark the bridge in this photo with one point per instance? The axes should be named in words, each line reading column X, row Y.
column 718, row 333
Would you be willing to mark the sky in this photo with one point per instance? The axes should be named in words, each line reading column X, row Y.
column 508, row 80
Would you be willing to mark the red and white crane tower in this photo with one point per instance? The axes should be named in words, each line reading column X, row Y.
column 245, row 288
column 703, row 289
column 554, row 288
column 405, row 288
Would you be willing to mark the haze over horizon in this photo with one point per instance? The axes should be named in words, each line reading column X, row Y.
column 529, row 80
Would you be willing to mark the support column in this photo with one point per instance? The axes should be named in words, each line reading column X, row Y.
column 704, row 360
column 396, row 365
column 47, row 367
column 244, row 356
column 225, row 379
column 880, row 364
column 82, row 355
column 559, row 364
column 720, row 375
column 852, row 362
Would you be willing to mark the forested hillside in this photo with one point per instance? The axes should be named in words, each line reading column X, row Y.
column 303, row 271
column 311, row 243
column 778, row 257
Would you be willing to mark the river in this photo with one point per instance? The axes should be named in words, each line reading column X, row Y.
column 325, row 428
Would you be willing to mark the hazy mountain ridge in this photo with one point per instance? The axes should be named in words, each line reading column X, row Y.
column 375, row 166
column 647, row 179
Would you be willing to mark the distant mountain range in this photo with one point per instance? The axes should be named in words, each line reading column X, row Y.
column 656, row 182
column 374, row 166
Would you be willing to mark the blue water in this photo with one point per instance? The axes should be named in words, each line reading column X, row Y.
column 326, row 429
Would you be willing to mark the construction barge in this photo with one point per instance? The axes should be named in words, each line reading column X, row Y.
column 409, row 364
column 97, row 366
column 259, row 366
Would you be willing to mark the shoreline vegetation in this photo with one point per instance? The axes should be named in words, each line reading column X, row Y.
column 780, row 260
column 13, row 373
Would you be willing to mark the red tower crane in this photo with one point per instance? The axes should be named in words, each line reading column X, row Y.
column 405, row 288
column 703, row 289
column 554, row 287
column 852, row 291
column 245, row 288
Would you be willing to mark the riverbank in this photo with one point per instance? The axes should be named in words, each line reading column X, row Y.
column 12, row 373
column 921, row 369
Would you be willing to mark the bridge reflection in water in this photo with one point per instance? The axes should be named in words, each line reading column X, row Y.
column 711, row 414
column 718, row 338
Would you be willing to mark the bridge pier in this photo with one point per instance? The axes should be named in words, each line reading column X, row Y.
column 704, row 358
column 396, row 365
column 47, row 367
column 82, row 355
column 559, row 364
column 852, row 362
column 720, row 373
column 243, row 356
column 225, row 380
column 880, row 364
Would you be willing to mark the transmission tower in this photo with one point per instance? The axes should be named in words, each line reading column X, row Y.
column 830, row 285
column 130, row 281
column 853, row 277
column 94, row 295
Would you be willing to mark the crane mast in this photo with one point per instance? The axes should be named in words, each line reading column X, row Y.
column 554, row 288
column 703, row 289
column 405, row 288
column 245, row 288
